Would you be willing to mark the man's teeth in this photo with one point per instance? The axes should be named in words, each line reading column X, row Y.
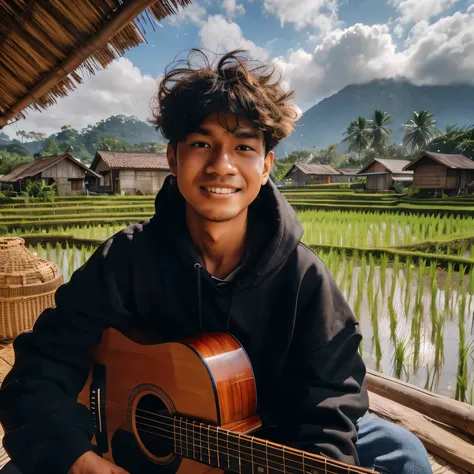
column 220, row 190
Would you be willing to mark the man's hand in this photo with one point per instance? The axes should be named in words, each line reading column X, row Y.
column 90, row 463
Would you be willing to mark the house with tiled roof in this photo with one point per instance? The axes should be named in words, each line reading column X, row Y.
column 303, row 174
column 130, row 173
column 382, row 174
column 441, row 171
column 64, row 171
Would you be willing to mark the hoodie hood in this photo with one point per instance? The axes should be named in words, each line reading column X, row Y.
column 274, row 230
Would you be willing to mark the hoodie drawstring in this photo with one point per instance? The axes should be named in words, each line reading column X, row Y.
column 197, row 266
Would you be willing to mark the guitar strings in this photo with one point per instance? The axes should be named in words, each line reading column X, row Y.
column 310, row 456
column 195, row 444
column 250, row 459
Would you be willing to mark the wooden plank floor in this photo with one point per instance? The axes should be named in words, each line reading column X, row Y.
column 438, row 465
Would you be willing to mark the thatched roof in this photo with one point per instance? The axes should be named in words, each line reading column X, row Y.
column 37, row 166
column 136, row 161
column 46, row 46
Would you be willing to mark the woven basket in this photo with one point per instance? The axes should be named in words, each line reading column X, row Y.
column 27, row 287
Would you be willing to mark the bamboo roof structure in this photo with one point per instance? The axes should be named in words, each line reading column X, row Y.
column 47, row 46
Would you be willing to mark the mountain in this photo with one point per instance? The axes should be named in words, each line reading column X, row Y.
column 325, row 123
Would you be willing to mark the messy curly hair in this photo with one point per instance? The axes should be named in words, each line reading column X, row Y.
column 194, row 88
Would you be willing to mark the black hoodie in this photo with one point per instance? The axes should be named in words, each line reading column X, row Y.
column 283, row 306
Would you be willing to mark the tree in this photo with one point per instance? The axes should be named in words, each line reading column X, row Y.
column 4, row 139
column 379, row 133
column 51, row 145
column 459, row 141
column 419, row 131
column 22, row 134
column 358, row 136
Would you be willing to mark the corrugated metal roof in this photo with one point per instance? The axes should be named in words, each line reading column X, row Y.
column 348, row 171
column 459, row 162
column 393, row 166
column 37, row 166
column 317, row 169
column 144, row 161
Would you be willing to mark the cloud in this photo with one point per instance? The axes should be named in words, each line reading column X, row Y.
column 119, row 89
column 219, row 36
column 443, row 52
column 232, row 9
column 354, row 55
column 438, row 53
column 193, row 14
column 319, row 14
column 411, row 11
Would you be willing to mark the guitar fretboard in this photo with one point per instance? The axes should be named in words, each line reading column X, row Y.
column 245, row 454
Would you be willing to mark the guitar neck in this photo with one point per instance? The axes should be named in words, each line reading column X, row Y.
column 246, row 454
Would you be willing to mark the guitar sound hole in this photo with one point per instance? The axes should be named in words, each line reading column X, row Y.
column 154, row 425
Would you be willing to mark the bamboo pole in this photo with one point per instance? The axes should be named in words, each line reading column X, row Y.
column 124, row 16
column 444, row 444
column 443, row 409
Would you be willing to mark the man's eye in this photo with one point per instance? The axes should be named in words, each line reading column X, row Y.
column 244, row 148
column 200, row 144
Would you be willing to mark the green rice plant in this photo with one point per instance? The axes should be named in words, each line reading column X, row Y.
column 416, row 335
column 448, row 289
column 434, row 295
column 408, row 287
column 393, row 316
column 375, row 328
column 370, row 280
column 400, row 357
column 350, row 275
column 465, row 351
column 383, row 272
column 419, row 289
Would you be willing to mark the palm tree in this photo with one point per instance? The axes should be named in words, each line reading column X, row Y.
column 420, row 130
column 379, row 132
column 358, row 136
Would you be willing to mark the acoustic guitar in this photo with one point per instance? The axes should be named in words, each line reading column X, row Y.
column 185, row 407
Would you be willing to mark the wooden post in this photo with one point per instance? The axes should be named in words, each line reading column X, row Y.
column 443, row 409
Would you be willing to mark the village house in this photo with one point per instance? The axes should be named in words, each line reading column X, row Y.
column 305, row 174
column 452, row 173
column 346, row 175
column 67, row 173
column 130, row 173
column 382, row 174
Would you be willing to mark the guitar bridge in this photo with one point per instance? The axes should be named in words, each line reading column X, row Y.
column 97, row 406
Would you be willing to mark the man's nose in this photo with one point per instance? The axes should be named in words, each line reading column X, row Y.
column 221, row 162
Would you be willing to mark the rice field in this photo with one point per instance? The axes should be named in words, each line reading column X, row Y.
column 417, row 322
column 365, row 229
column 416, row 316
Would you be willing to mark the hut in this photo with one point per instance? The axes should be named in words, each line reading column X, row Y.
column 130, row 173
column 304, row 174
column 67, row 173
column 440, row 171
column 382, row 174
column 27, row 287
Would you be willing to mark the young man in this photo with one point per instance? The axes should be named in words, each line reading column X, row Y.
column 223, row 252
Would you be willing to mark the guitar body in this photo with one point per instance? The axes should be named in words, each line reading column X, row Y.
column 207, row 379
column 185, row 407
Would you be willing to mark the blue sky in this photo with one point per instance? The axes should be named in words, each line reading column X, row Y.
column 321, row 46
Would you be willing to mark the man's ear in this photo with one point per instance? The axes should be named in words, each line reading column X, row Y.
column 267, row 167
column 171, row 156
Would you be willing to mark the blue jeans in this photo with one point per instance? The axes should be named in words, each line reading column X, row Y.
column 390, row 449
column 382, row 446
